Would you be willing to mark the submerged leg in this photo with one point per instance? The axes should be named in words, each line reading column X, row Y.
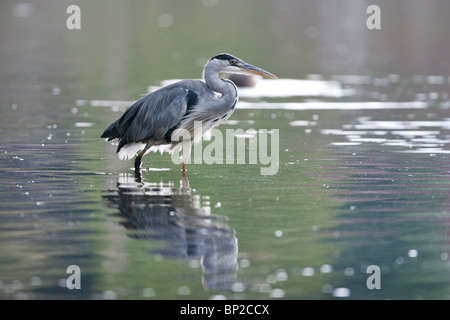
column 137, row 162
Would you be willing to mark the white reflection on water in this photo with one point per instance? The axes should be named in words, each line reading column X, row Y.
column 416, row 136
column 302, row 123
column 366, row 123
column 320, row 105
column 341, row 292
column 294, row 88
column 281, row 88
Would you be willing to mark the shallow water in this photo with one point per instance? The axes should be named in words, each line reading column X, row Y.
column 362, row 181
column 354, row 188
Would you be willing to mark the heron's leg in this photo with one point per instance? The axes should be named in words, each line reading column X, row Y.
column 137, row 161
column 186, row 154
column 183, row 171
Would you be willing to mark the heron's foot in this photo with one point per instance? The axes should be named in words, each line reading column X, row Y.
column 145, row 165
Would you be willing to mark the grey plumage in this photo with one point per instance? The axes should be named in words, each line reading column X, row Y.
column 152, row 117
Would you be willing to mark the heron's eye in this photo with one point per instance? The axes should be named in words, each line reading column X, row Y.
column 232, row 62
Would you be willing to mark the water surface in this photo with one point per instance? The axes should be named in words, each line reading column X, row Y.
column 363, row 163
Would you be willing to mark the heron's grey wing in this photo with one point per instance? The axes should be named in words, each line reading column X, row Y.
column 151, row 117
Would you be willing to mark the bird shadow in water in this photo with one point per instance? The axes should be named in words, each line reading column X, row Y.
column 174, row 216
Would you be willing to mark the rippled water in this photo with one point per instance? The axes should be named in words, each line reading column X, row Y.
column 358, row 208
column 360, row 184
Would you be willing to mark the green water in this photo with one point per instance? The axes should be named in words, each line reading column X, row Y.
column 362, row 177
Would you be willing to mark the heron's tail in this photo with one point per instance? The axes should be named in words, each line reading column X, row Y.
column 112, row 131
column 119, row 128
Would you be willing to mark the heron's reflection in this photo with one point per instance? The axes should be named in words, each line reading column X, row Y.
column 183, row 221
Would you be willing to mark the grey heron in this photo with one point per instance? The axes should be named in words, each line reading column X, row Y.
column 160, row 119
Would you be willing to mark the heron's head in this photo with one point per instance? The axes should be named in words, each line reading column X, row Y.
column 225, row 62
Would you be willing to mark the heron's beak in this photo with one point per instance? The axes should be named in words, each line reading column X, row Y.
column 255, row 70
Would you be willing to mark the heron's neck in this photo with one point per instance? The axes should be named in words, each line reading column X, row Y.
column 225, row 87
